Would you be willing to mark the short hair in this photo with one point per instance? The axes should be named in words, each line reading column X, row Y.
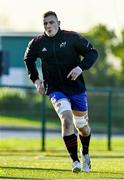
column 49, row 13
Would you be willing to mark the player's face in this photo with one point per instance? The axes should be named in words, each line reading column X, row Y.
column 51, row 25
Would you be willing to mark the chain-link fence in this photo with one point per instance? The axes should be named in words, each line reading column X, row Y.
column 21, row 108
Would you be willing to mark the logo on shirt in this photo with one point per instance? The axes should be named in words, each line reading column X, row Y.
column 63, row 44
column 44, row 49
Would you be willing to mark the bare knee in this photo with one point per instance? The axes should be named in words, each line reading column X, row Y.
column 67, row 120
column 67, row 123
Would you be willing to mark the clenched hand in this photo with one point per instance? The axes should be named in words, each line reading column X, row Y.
column 39, row 86
column 74, row 73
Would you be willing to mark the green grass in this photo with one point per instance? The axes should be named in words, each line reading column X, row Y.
column 24, row 122
column 14, row 121
column 22, row 159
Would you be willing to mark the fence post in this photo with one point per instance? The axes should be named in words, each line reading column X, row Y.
column 109, row 124
column 43, row 119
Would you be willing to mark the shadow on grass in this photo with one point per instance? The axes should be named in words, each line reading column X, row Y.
column 30, row 168
column 50, row 154
column 9, row 177
column 108, row 173
column 54, row 169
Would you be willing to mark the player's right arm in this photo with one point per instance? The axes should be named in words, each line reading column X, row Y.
column 30, row 58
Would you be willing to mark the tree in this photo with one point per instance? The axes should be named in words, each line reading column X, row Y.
column 118, row 51
column 102, row 74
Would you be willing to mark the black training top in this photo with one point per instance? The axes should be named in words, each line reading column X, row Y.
column 59, row 55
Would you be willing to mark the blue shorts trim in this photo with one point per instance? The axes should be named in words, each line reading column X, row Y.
column 78, row 101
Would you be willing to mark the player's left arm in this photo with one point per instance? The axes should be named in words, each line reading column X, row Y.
column 85, row 49
column 89, row 53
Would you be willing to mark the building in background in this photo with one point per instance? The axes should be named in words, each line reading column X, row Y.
column 12, row 48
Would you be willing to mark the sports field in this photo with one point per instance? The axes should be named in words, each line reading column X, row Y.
column 22, row 159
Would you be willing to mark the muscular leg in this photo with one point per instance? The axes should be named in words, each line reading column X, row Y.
column 62, row 106
column 70, row 139
column 67, row 126
column 64, row 112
